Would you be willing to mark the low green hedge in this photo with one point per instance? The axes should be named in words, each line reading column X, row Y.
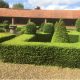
column 2, row 30
column 40, row 54
column 5, row 37
column 43, row 37
column 77, row 24
column 18, row 50
column 20, row 39
column 1, row 25
column 74, row 38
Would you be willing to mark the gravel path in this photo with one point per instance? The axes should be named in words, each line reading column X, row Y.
column 25, row 71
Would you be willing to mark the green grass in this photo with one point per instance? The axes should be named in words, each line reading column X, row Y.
column 24, row 40
column 74, row 32
column 4, row 34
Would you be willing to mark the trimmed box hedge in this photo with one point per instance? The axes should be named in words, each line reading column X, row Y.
column 40, row 54
column 6, row 36
column 18, row 50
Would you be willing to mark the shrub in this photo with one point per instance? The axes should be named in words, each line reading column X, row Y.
column 23, row 30
column 2, row 30
column 6, row 37
column 30, row 28
column 74, row 38
column 77, row 24
column 41, row 27
column 6, row 25
column 60, row 34
column 39, row 53
column 44, row 37
column 18, row 50
column 48, row 28
column 1, row 25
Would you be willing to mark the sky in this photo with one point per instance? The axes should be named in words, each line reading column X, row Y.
column 48, row 4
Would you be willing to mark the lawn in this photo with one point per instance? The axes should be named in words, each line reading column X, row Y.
column 27, row 39
column 6, row 36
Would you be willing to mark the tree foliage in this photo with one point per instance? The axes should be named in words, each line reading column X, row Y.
column 18, row 6
column 3, row 4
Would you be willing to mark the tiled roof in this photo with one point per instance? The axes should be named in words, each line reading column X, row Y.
column 68, row 14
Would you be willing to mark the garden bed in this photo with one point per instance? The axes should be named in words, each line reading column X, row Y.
column 6, row 36
column 21, row 50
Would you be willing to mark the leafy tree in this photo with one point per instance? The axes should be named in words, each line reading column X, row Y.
column 77, row 24
column 18, row 6
column 3, row 4
column 60, row 34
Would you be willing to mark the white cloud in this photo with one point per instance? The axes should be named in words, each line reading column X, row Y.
column 44, row 2
column 51, row 7
column 10, row 5
column 55, row 4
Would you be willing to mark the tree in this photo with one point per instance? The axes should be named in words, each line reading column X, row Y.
column 77, row 24
column 3, row 4
column 60, row 34
column 18, row 6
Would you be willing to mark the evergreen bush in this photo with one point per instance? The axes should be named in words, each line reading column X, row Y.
column 41, row 27
column 60, row 34
column 6, row 25
column 2, row 30
column 48, row 28
column 77, row 24
column 30, row 28
column 39, row 53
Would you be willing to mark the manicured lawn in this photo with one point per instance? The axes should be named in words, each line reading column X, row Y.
column 4, row 34
column 74, row 32
column 24, row 38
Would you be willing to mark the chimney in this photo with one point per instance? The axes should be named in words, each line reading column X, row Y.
column 37, row 8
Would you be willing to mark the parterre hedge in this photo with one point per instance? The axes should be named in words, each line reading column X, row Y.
column 40, row 54
column 77, row 24
column 44, row 37
column 48, row 28
column 60, row 34
column 30, row 28
column 20, row 51
column 6, row 37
